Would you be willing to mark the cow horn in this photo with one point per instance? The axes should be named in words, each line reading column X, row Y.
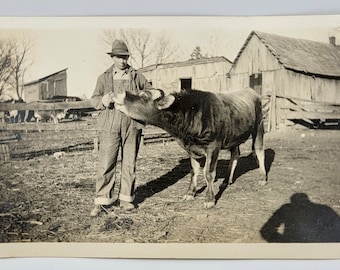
column 156, row 93
column 165, row 102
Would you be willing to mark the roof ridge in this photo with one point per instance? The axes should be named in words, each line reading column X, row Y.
column 190, row 61
column 300, row 55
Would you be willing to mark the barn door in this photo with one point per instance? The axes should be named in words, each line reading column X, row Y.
column 255, row 82
column 43, row 91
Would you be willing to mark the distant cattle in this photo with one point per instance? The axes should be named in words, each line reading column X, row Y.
column 46, row 115
column 73, row 114
column 203, row 123
column 17, row 116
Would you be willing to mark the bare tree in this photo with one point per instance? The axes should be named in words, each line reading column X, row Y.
column 13, row 62
column 6, row 69
column 20, row 62
column 164, row 49
column 138, row 41
column 146, row 47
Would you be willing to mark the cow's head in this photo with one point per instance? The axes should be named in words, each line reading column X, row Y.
column 144, row 105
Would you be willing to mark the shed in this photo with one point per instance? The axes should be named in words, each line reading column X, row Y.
column 291, row 68
column 44, row 88
column 205, row 74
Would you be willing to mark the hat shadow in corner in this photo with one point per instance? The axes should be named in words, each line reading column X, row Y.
column 302, row 221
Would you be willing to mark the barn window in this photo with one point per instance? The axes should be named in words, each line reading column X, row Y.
column 255, row 82
column 186, row 84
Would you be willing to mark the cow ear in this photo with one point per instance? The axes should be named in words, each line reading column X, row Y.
column 165, row 102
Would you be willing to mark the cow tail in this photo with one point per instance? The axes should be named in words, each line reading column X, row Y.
column 259, row 117
column 258, row 131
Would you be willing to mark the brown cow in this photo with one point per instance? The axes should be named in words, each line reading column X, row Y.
column 203, row 123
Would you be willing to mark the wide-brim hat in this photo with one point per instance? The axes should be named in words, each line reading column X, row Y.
column 119, row 48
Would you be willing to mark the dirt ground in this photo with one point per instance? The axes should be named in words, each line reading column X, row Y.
column 45, row 199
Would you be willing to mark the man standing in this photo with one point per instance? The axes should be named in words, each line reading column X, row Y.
column 116, row 130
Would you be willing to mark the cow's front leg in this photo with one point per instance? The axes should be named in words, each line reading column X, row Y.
column 209, row 175
column 195, row 169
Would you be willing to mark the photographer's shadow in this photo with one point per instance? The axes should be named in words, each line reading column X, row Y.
column 302, row 221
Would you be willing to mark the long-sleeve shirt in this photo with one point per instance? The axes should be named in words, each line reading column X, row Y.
column 105, row 84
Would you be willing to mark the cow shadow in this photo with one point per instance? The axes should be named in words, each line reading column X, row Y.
column 245, row 164
column 163, row 182
column 157, row 185
column 302, row 221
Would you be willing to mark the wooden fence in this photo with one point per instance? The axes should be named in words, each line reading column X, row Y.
column 43, row 105
column 28, row 140
column 16, row 140
column 281, row 109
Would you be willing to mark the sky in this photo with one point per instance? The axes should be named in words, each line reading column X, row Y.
column 77, row 43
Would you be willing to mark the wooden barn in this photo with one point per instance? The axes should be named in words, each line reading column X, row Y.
column 205, row 74
column 51, row 85
column 301, row 77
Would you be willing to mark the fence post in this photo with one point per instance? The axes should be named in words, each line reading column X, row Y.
column 4, row 151
column 142, row 141
column 95, row 144
column 272, row 112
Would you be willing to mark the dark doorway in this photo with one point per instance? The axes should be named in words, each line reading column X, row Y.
column 44, row 91
column 255, row 82
column 186, row 84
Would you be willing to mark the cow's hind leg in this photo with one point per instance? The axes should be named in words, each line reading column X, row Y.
column 195, row 169
column 234, row 156
column 209, row 175
column 258, row 148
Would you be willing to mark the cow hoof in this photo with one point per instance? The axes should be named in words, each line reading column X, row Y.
column 208, row 205
column 263, row 183
column 188, row 197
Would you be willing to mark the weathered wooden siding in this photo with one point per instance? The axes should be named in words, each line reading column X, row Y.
column 288, row 83
column 207, row 76
column 279, row 81
column 311, row 87
column 55, row 85
column 31, row 93
column 255, row 58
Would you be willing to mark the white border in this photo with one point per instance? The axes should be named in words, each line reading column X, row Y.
column 174, row 7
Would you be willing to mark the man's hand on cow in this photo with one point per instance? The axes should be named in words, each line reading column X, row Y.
column 107, row 99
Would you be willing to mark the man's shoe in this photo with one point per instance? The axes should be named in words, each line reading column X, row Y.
column 96, row 211
column 126, row 206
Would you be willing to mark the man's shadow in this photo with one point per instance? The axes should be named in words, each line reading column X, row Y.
column 157, row 185
column 302, row 221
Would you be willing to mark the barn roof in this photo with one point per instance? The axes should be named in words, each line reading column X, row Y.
column 190, row 62
column 44, row 78
column 300, row 55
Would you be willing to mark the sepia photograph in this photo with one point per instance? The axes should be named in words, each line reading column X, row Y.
column 211, row 137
